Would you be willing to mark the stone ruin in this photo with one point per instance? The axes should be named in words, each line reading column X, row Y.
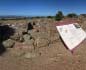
column 27, row 37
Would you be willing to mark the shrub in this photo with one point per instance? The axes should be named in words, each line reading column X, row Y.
column 72, row 15
column 59, row 16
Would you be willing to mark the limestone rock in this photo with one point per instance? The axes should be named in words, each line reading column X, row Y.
column 8, row 43
column 41, row 42
column 28, row 39
column 17, row 37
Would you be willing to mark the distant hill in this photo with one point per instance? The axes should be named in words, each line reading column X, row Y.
column 14, row 17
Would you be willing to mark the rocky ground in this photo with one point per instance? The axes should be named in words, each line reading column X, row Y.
column 36, row 45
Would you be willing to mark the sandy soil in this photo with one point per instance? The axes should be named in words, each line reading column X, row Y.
column 54, row 57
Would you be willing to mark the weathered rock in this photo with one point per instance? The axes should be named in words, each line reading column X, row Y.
column 41, row 42
column 28, row 39
column 29, row 36
column 30, row 55
column 9, row 43
column 36, row 35
column 32, row 31
column 20, row 29
column 17, row 37
column 30, row 42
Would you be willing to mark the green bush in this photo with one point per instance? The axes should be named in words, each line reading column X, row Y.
column 72, row 15
column 59, row 16
column 49, row 16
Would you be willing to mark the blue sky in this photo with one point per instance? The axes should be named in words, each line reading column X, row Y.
column 41, row 7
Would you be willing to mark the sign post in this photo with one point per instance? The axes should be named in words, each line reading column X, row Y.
column 72, row 34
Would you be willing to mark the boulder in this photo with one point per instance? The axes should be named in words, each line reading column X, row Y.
column 28, row 39
column 41, row 42
column 8, row 43
column 17, row 37
column 29, row 42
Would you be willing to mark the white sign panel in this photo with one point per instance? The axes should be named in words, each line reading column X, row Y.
column 71, row 34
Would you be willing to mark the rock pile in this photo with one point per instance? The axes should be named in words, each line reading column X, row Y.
column 30, row 36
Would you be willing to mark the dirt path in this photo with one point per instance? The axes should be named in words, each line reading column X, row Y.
column 55, row 57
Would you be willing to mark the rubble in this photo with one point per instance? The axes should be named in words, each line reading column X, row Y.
column 8, row 43
column 30, row 35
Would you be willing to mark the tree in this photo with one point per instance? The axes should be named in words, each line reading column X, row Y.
column 59, row 16
column 49, row 16
column 72, row 15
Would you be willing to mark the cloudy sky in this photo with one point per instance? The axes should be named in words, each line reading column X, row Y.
column 41, row 7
